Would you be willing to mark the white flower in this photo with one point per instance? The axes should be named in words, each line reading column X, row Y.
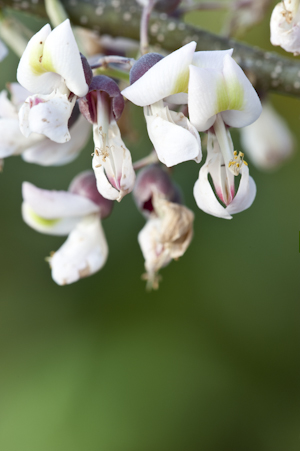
column 69, row 213
column 223, row 180
column 285, row 26
column 112, row 163
column 221, row 96
column 52, row 69
column 153, row 80
column 36, row 148
column 268, row 141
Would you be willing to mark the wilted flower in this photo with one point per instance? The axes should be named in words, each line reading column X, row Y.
column 76, row 213
column 52, row 68
column 285, row 26
column 153, row 80
column 37, row 148
column 268, row 141
column 169, row 229
column 112, row 163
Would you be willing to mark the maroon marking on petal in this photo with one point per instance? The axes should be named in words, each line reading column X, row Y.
column 35, row 102
column 108, row 85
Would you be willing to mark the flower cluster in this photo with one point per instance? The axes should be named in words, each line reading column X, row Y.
column 59, row 99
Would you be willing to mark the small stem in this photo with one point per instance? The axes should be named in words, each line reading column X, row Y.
column 150, row 159
column 105, row 60
column 55, row 12
column 113, row 73
column 146, row 13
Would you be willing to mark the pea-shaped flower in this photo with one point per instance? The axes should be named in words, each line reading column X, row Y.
column 52, row 69
column 77, row 213
column 221, row 96
column 153, row 80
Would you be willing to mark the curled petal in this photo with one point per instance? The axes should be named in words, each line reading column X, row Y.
column 84, row 252
column 245, row 195
column 205, row 197
column 174, row 138
column 47, row 115
column 169, row 76
column 56, row 204
column 50, row 153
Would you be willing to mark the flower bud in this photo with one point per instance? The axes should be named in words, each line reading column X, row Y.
column 110, row 92
column 84, row 184
column 150, row 180
column 143, row 65
column 88, row 73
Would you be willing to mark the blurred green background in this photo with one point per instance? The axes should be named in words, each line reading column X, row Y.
column 209, row 362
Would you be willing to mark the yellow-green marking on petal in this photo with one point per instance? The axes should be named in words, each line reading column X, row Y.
column 182, row 82
column 40, row 220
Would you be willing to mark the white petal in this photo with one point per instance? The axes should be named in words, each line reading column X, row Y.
column 245, row 195
column 174, row 138
column 178, row 99
column 84, row 253
column 114, row 173
column 285, row 34
column 205, row 197
column 61, row 55
column 56, row 226
column 268, row 141
column 244, row 103
column 18, row 94
column 31, row 74
column 7, row 108
column 12, row 142
column 205, row 86
column 212, row 59
column 49, row 153
column 3, row 50
column 169, row 76
column 49, row 117
column 56, row 204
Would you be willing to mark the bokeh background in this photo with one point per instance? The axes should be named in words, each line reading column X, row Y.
column 210, row 361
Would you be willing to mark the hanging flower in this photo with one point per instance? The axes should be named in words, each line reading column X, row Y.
column 51, row 67
column 221, row 96
column 37, row 148
column 155, row 79
column 285, row 26
column 169, row 228
column 268, row 141
column 77, row 213
column 112, row 163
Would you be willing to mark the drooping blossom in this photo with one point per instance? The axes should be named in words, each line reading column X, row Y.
column 52, row 68
column 37, row 148
column 169, row 227
column 221, row 96
column 112, row 163
column 268, row 141
column 155, row 79
column 76, row 213
column 285, row 26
